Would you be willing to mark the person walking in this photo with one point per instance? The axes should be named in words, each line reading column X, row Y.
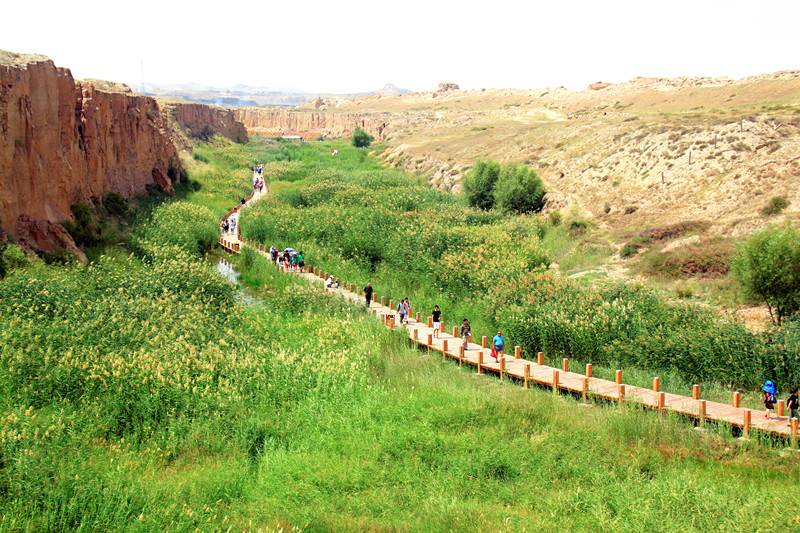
column 368, row 294
column 402, row 311
column 301, row 261
column 437, row 320
column 793, row 403
column 769, row 398
column 499, row 345
column 465, row 333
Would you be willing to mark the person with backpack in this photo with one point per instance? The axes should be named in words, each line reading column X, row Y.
column 402, row 310
column 769, row 398
column 301, row 261
column 437, row 319
column 793, row 403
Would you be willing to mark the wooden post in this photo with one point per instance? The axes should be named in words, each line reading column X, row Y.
column 555, row 381
column 430, row 340
column 585, row 389
column 391, row 320
column 410, row 313
column 441, row 326
column 656, row 384
column 455, row 331
column 352, row 287
column 358, row 290
column 430, row 321
column 374, row 298
column 619, row 377
column 460, row 352
column 588, row 370
column 417, row 317
column 527, row 375
column 444, row 349
column 736, row 398
column 540, row 358
column 517, row 351
column 793, row 425
column 480, row 362
column 416, row 334
column 662, row 398
column 781, row 410
column 701, row 412
column 620, row 391
column 695, row 392
column 746, row 427
column 565, row 364
column 483, row 341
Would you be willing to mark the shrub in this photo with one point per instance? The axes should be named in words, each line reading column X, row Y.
column 361, row 139
column 775, row 206
column 115, row 204
column 479, row 184
column 554, row 217
column 768, row 267
column 13, row 257
column 518, row 190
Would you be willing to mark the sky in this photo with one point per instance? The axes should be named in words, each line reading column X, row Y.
column 358, row 46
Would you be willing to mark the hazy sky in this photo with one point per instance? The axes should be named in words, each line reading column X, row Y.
column 357, row 46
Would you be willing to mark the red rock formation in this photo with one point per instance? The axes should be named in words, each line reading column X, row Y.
column 197, row 120
column 63, row 142
column 270, row 120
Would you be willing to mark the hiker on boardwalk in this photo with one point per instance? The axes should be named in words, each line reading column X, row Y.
column 368, row 293
column 769, row 398
column 466, row 331
column 233, row 225
column 793, row 403
column 295, row 261
column 225, row 226
column 499, row 345
column 437, row 319
column 329, row 282
column 274, row 253
column 301, row 261
column 402, row 311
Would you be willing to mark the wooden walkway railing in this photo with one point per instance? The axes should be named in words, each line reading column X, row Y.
column 450, row 345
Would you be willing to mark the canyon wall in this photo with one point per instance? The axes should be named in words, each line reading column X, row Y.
column 201, row 121
column 63, row 141
column 271, row 121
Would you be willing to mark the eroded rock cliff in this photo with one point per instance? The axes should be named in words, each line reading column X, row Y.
column 201, row 121
column 279, row 121
column 63, row 141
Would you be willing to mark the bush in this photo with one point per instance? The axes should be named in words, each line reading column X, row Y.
column 554, row 217
column 775, row 206
column 361, row 139
column 768, row 267
column 479, row 184
column 115, row 204
column 13, row 257
column 518, row 190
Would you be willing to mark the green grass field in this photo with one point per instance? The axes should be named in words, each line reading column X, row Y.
column 138, row 395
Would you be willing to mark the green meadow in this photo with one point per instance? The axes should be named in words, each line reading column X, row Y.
column 141, row 392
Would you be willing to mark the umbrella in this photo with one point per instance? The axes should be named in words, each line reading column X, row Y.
column 290, row 250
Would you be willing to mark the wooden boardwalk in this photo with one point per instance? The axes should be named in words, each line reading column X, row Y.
column 526, row 372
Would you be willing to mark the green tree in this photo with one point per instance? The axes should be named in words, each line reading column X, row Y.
column 479, row 183
column 518, row 189
column 768, row 268
column 361, row 139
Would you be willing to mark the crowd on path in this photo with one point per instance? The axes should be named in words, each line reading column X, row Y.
column 258, row 178
column 289, row 258
column 228, row 225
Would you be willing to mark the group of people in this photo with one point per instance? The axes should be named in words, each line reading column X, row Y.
column 228, row 225
column 331, row 283
column 771, row 398
column 289, row 258
column 258, row 180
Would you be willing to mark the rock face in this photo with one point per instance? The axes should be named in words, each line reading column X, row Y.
column 280, row 121
column 200, row 120
column 63, row 142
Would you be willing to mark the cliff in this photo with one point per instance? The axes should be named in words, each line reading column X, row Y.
column 201, row 121
column 63, row 141
column 279, row 121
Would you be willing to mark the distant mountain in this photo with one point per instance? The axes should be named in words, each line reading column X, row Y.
column 241, row 95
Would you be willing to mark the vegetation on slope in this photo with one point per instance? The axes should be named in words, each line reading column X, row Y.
column 138, row 395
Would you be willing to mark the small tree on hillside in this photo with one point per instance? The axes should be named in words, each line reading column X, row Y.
column 519, row 190
column 361, row 139
column 768, row 267
column 479, row 184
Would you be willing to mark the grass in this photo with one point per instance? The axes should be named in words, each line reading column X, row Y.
column 139, row 396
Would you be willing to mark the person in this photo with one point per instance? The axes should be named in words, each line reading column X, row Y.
column 465, row 333
column 499, row 345
column 301, row 261
column 769, row 398
column 274, row 253
column 336, row 284
column 408, row 309
column 295, row 261
column 225, row 226
column 329, row 282
column 233, row 225
column 368, row 293
column 793, row 403
column 437, row 316
column 402, row 310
